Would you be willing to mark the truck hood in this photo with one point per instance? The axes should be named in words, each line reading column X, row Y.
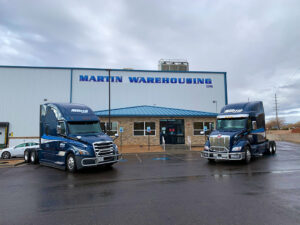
column 229, row 133
column 90, row 139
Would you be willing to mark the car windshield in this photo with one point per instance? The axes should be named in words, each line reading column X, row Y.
column 84, row 127
column 232, row 124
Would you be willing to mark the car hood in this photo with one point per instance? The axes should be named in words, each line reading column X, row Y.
column 6, row 149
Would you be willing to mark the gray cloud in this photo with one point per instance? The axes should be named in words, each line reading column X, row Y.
column 255, row 42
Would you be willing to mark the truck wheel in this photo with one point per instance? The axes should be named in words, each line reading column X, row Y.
column 272, row 148
column 33, row 158
column 26, row 156
column 71, row 163
column 6, row 155
column 247, row 155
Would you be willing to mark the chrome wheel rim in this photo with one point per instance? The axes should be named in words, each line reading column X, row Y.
column 248, row 155
column 32, row 157
column 71, row 163
column 270, row 149
column 274, row 148
column 26, row 156
column 5, row 155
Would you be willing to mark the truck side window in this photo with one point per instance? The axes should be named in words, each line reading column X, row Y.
column 51, row 122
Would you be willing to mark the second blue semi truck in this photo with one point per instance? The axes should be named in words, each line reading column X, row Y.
column 71, row 138
column 240, row 134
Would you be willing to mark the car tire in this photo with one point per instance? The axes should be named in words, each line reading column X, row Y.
column 6, row 155
column 71, row 163
column 33, row 157
column 247, row 155
column 26, row 156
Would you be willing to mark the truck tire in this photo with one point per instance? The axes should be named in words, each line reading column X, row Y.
column 6, row 155
column 272, row 148
column 33, row 157
column 26, row 156
column 247, row 155
column 71, row 163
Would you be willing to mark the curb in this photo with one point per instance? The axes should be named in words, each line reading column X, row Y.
column 20, row 163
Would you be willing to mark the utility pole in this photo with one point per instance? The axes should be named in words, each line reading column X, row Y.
column 276, row 110
column 215, row 102
column 109, row 127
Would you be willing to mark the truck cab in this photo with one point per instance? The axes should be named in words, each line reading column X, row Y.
column 71, row 138
column 240, row 134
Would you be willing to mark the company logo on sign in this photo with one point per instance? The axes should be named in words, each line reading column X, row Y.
column 147, row 80
column 80, row 110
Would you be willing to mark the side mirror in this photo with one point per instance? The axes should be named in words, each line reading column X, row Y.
column 254, row 125
column 58, row 129
column 116, row 136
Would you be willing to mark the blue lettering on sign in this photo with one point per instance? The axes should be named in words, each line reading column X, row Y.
column 147, row 80
column 133, row 79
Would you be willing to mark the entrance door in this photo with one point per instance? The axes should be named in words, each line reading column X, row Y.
column 172, row 131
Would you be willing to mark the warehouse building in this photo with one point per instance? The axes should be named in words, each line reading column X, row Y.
column 23, row 89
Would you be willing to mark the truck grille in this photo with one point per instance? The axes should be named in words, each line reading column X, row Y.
column 103, row 148
column 219, row 143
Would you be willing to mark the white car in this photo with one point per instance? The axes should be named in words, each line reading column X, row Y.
column 17, row 151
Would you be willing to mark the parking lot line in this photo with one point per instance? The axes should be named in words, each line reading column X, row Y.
column 140, row 160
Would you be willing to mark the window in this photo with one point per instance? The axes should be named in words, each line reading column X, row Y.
column 113, row 128
column 140, row 128
column 79, row 128
column 199, row 127
column 21, row 145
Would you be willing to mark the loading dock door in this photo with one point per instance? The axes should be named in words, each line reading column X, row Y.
column 3, row 135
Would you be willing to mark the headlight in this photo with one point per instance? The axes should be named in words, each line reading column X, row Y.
column 116, row 148
column 235, row 149
column 81, row 151
column 206, row 147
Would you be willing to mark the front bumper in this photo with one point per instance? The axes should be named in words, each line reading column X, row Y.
column 223, row 155
column 96, row 161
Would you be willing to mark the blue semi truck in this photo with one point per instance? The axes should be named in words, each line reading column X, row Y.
column 71, row 138
column 240, row 134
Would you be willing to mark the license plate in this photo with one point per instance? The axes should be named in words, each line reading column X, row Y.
column 220, row 156
column 100, row 159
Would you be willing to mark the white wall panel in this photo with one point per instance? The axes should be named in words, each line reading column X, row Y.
column 23, row 90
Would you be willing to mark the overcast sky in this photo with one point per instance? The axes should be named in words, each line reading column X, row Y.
column 256, row 42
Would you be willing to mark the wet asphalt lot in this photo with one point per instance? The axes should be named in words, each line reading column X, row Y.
column 157, row 189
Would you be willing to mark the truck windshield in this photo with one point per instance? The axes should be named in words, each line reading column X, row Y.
column 84, row 127
column 232, row 124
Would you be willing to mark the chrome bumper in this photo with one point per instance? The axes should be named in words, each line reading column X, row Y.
column 97, row 161
column 223, row 155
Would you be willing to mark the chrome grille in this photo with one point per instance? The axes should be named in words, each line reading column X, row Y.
column 219, row 143
column 103, row 148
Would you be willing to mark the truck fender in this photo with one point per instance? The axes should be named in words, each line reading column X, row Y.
column 245, row 143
